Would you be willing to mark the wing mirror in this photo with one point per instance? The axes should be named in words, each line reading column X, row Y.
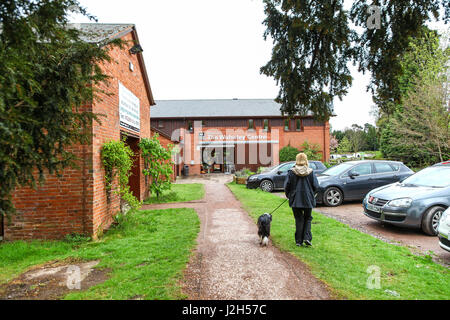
column 279, row 172
column 352, row 175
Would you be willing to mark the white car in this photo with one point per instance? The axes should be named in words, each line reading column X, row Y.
column 444, row 230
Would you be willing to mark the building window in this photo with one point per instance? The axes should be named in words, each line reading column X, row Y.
column 203, row 123
column 190, row 126
column 287, row 124
column 298, row 125
column 266, row 124
column 251, row 124
column 160, row 124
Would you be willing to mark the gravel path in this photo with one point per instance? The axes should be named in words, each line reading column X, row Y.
column 229, row 264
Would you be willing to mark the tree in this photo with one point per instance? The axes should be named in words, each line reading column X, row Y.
column 424, row 124
column 371, row 137
column 313, row 43
column 334, row 144
column 158, row 164
column 418, row 131
column 344, row 146
column 379, row 51
column 47, row 74
column 356, row 138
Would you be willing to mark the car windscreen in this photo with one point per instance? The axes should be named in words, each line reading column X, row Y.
column 337, row 170
column 438, row 177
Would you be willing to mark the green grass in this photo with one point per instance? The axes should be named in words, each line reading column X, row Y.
column 340, row 256
column 145, row 255
column 179, row 193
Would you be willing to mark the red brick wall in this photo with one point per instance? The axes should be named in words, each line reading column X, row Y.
column 77, row 202
column 63, row 205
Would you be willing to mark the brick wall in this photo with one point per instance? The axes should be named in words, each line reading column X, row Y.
column 77, row 202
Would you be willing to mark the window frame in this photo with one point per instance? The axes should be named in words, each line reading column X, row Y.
column 252, row 128
column 268, row 125
column 288, row 125
column 299, row 121
column 190, row 126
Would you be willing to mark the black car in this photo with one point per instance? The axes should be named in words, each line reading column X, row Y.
column 273, row 178
column 354, row 179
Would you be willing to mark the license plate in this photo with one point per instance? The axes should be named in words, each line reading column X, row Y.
column 373, row 208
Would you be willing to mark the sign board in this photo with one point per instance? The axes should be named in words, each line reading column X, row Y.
column 129, row 109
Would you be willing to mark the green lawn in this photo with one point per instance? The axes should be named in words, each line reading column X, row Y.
column 180, row 193
column 340, row 256
column 145, row 254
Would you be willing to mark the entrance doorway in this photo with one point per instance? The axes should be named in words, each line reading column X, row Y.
column 218, row 159
column 134, row 181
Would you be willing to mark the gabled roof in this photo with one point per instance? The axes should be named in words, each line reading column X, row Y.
column 103, row 33
column 216, row 108
column 100, row 32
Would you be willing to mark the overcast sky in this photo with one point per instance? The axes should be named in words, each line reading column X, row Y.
column 212, row 49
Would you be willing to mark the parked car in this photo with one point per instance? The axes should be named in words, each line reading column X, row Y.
column 273, row 179
column 352, row 180
column 444, row 230
column 418, row 201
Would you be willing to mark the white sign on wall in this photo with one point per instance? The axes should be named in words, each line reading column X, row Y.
column 129, row 109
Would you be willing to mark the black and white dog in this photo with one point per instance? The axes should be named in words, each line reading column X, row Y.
column 264, row 228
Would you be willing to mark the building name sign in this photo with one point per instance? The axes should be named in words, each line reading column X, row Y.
column 234, row 138
column 129, row 109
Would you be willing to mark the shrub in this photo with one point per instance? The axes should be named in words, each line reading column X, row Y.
column 312, row 150
column 288, row 153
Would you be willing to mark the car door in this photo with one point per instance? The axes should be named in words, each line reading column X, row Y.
column 281, row 174
column 359, row 184
column 385, row 174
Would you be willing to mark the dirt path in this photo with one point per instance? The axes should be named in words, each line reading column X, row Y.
column 229, row 264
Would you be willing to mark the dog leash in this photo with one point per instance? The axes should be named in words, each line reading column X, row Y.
column 279, row 206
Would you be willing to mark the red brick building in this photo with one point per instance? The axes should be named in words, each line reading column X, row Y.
column 77, row 202
column 219, row 135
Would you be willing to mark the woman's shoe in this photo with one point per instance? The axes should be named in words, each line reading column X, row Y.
column 308, row 243
column 299, row 244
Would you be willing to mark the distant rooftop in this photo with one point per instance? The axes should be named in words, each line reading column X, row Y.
column 216, row 108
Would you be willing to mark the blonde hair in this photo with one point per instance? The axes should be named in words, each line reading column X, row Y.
column 301, row 160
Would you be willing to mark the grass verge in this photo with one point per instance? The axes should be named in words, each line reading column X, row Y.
column 179, row 193
column 341, row 256
column 146, row 254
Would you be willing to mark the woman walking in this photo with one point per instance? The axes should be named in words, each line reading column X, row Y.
column 300, row 187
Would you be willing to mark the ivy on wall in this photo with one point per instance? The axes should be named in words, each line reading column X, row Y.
column 117, row 160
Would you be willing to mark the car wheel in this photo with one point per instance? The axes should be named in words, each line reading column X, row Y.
column 266, row 185
column 430, row 221
column 333, row 197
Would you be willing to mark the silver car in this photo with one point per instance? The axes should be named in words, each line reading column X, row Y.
column 419, row 201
